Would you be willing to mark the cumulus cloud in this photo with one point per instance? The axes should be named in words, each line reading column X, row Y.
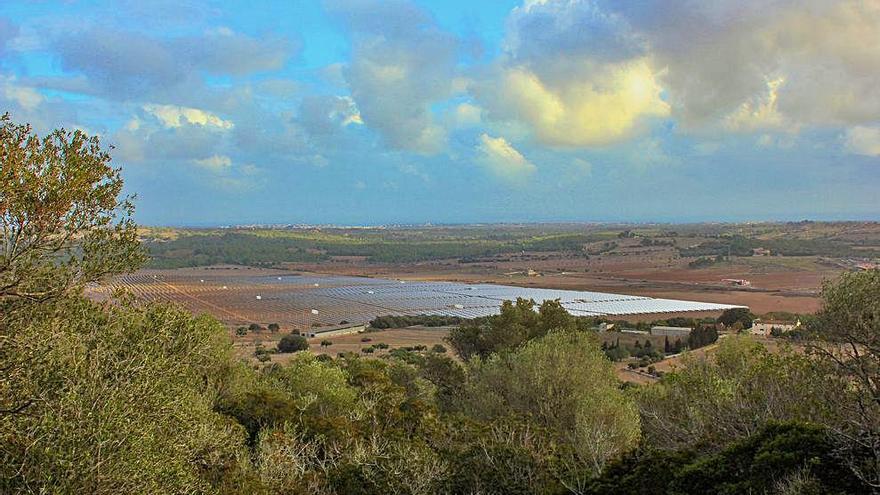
column 591, row 72
column 175, row 116
column 718, row 56
column 502, row 159
column 576, row 75
column 607, row 106
column 402, row 62
column 323, row 115
column 863, row 140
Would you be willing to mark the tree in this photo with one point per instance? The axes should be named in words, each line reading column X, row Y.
column 734, row 315
column 293, row 343
column 121, row 402
column 517, row 323
column 702, row 336
column 274, row 327
column 848, row 327
column 563, row 384
column 729, row 395
column 780, row 454
column 62, row 221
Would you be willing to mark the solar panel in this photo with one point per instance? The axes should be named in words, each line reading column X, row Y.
column 359, row 299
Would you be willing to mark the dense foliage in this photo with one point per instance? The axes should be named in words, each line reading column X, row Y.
column 403, row 321
column 254, row 248
column 123, row 397
column 293, row 343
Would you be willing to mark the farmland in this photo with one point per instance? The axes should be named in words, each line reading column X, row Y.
column 671, row 261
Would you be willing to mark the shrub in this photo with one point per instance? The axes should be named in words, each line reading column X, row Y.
column 438, row 348
column 326, row 343
column 293, row 343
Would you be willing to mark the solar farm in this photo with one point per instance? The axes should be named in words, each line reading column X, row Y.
column 240, row 297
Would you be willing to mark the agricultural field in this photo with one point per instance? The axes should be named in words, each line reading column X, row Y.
column 691, row 262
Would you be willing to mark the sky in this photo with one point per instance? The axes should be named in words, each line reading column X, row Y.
column 365, row 112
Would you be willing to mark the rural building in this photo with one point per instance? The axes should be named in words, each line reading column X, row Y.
column 739, row 282
column 671, row 331
column 759, row 251
column 603, row 327
column 765, row 327
column 333, row 331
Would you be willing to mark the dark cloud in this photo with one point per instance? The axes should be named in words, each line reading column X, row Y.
column 325, row 115
column 128, row 65
column 720, row 56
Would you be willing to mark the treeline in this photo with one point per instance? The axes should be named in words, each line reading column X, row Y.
column 229, row 248
column 253, row 249
column 401, row 321
column 738, row 245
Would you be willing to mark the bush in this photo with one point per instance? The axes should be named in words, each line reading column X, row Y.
column 274, row 327
column 293, row 343
column 326, row 343
column 241, row 331
column 438, row 348
column 368, row 350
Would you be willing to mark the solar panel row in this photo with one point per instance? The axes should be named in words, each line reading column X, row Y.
column 292, row 298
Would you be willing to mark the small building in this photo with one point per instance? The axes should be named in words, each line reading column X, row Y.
column 766, row 327
column 671, row 331
column 604, row 327
column 866, row 266
column 759, row 251
column 334, row 331
column 739, row 282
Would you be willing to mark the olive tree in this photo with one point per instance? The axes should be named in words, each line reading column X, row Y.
column 63, row 222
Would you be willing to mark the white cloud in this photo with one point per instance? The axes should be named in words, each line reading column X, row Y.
column 466, row 115
column 27, row 98
column 215, row 163
column 600, row 107
column 862, row 140
column 502, row 159
column 759, row 112
column 172, row 116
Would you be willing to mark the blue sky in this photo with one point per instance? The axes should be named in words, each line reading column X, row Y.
column 368, row 112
